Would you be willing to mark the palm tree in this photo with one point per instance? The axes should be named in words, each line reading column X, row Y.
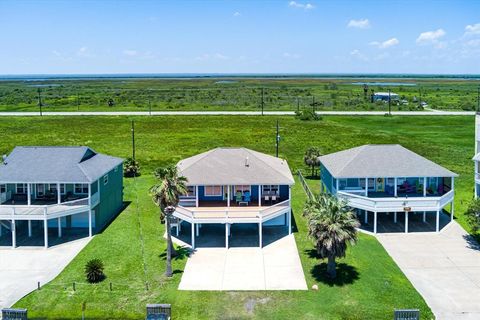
column 332, row 225
column 166, row 194
column 311, row 158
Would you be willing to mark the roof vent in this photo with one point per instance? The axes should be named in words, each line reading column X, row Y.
column 246, row 162
column 4, row 159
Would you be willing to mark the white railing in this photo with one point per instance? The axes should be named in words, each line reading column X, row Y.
column 231, row 213
column 396, row 204
column 43, row 210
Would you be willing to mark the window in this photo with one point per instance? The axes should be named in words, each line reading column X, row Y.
column 3, row 188
column 270, row 189
column 241, row 188
column 21, row 188
column 105, row 179
column 191, row 191
column 81, row 188
column 213, row 191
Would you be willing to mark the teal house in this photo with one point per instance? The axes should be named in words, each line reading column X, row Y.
column 390, row 187
column 57, row 191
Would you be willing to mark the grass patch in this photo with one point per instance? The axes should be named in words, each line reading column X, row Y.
column 370, row 284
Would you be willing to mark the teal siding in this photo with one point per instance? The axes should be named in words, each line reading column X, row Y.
column 111, row 198
column 326, row 178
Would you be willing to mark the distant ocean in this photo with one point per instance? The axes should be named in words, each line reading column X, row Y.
column 189, row 76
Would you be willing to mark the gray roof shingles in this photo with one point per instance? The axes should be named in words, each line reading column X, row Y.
column 230, row 166
column 55, row 164
column 371, row 161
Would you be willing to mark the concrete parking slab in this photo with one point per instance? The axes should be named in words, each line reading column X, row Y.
column 444, row 268
column 22, row 268
column 276, row 266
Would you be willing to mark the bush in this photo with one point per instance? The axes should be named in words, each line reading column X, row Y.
column 94, row 271
column 307, row 115
column 131, row 168
column 473, row 215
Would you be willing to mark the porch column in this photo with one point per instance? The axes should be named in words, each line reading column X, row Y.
column 197, row 230
column 375, row 222
column 366, row 216
column 338, row 184
column 289, row 217
column 406, row 221
column 193, row 235
column 14, row 233
column 366, row 187
column 196, row 196
column 395, row 217
column 289, row 194
column 424, row 186
column 29, row 194
column 259, row 195
column 90, row 222
column 228, row 196
column 226, row 235
column 395, row 190
column 59, row 194
column 451, row 210
column 260, row 234
column 45, row 233
column 59, row 222
column 424, row 216
column 29, row 228
column 437, row 223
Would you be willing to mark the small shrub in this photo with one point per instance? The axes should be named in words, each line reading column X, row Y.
column 307, row 115
column 473, row 215
column 131, row 168
column 94, row 271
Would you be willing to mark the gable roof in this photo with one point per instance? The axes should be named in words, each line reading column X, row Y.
column 372, row 161
column 235, row 166
column 55, row 164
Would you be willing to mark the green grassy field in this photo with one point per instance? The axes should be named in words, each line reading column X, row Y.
column 370, row 285
column 136, row 94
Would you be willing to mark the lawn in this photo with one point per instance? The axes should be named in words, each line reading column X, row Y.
column 370, row 284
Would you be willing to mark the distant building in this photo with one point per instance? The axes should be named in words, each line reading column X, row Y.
column 384, row 96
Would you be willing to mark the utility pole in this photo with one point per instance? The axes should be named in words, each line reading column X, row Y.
column 420, row 100
column 277, row 140
column 263, row 102
column 78, row 101
column 389, row 103
column 298, row 104
column 39, row 101
column 149, row 107
column 313, row 104
column 133, row 140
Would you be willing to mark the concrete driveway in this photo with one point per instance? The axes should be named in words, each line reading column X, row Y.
column 443, row 267
column 22, row 268
column 276, row 266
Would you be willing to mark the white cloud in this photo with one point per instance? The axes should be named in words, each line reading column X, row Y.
column 130, row 53
column 306, row 6
column 57, row 53
column 472, row 29
column 385, row 44
column 430, row 37
column 289, row 55
column 357, row 54
column 473, row 43
column 84, row 52
column 237, row 14
column 360, row 24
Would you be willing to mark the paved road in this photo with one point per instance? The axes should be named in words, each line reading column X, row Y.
column 233, row 113
column 21, row 268
column 443, row 267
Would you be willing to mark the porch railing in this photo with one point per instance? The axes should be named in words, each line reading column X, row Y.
column 396, row 204
column 43, row 210
column 233, row 213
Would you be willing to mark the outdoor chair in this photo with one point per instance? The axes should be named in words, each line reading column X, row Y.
column 247, row 197
column 274, row 198
column 14, row 314
column 407, row 314
column 159, row 311
column 238, row 196
column 266, row 198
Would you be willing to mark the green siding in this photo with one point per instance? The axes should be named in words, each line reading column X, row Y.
column 111, row 198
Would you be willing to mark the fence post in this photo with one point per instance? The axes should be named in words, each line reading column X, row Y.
column 74, row 286
column 110, row 286
column 38, row 285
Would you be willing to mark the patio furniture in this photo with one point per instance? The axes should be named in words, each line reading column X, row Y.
column 407, row 314
column 274, row 198
column 238, row 197
column 266, row 198
column 14, row 314
column 247, row 197
column 159, row 311
column 176, row 223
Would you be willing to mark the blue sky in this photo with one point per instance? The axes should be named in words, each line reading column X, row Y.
column 50, row 37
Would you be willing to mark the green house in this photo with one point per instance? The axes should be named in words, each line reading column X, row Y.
column 59, row 190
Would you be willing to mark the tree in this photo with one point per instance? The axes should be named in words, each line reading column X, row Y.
column 131, row 168
column 332, row 225
column 166, row 195
column 473, row 214
column 311, row 158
